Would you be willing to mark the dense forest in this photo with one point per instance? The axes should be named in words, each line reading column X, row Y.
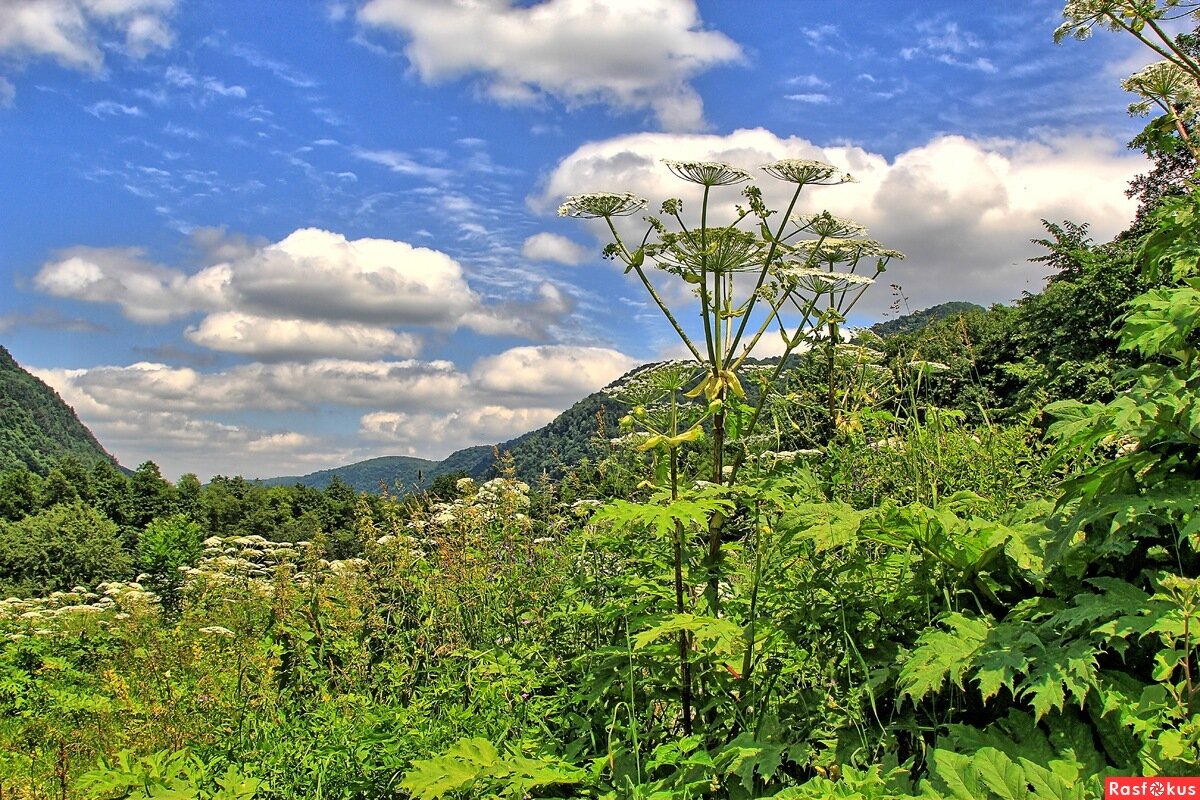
column 956, row 560
column 36, row 427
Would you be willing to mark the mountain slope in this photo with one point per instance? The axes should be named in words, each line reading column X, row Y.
column 555, row 447
column 910, row 323
column 399, row 473
column 36, row 427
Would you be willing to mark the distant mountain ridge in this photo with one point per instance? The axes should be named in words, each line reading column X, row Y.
column 911, row 323
column 36, row 427
column 552, row 449
column 555, row 447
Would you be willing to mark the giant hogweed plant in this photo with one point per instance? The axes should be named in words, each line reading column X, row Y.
column 797, row 275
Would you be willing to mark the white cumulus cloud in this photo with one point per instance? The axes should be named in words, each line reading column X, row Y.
column 627, row 55
column 550, row 371
column 74, row 32
column 196, row 421
column 553, row 247
column 313, row 293
column 962, row 210
column 236, row 332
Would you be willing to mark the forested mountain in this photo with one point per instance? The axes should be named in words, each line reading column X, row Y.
column 366, row 476
column 911, row 323
column 552, row 448
column 37, row 428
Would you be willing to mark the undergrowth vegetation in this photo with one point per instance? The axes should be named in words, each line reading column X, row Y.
column 850, row 572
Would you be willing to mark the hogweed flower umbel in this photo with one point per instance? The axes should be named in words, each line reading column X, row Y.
column 707, row 173
column 1162, row 82
column 820, row 281
column 827, row 225
column 804, row 172
column 595, row 205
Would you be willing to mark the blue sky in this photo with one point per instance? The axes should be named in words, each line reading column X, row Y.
column 266, row 238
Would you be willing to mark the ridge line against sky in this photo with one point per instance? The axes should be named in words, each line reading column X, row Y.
column 243, row 242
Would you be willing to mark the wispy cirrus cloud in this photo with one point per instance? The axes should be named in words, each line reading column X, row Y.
column 948, row 44
column 111, row 108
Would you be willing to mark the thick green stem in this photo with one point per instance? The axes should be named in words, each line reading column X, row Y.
column 685, row 668
column 762, row 275
column 654, row 294
column 831, row 351
column 1188, row 62
column 740, row 458
column 705, row 310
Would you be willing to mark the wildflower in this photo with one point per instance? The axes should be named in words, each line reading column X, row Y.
column 827, row 225
column 803, row 171
column 928, row 367
column 720, row 250
column 218, row 630
column 543, row 540
column 834, row 250
column 1161, row 81
column 707, row 173
column 820, row 281
column 601, row 204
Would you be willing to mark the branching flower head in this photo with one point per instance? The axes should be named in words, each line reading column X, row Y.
column 718, row 250
column 803, row 171
column 827, row 225
column 835, row 250
column 595, row 205
column 707, row 173
column 1163, row 82
column 820, row 281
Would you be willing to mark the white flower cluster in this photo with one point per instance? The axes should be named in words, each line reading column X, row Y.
column 53, row 614
column 254, row 561
column 244, row 557
column 497, row 500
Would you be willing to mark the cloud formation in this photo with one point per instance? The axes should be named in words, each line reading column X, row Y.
column 627, row 55
column 962, row 210
column 425, row 408
column 267, row 338
column 553, row 247
column 75, row 33
column 313, row 294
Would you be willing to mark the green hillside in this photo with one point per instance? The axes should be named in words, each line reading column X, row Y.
column 910, row 323
column 366, row 476
column 555, row 447
column 36, row 427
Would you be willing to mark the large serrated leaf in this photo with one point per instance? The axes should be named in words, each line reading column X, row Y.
column 1002, row 775
column 456, row 769
column 942, row 654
